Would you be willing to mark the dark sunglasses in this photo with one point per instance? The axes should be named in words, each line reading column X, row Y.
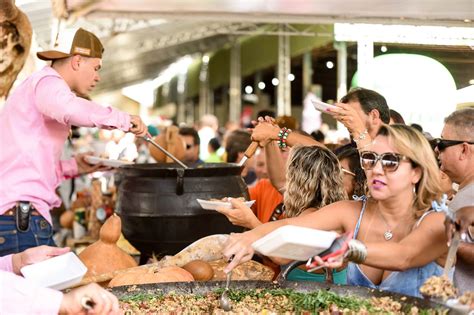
column 442, row 144
column 390, row 161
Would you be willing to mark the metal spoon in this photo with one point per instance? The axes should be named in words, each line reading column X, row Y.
column 225, row 300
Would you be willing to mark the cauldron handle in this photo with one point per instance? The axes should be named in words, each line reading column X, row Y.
column 180, row 181
column 288, row 268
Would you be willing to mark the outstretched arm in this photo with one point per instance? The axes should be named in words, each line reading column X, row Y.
column 424, row 244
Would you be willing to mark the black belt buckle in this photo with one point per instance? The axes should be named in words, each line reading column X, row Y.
column 23, row 214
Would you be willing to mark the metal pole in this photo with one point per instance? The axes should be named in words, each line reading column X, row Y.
column 204, row 87
column 307, row 72
column 181, row 117
column 284, row 86
column 365, row 56
column 341, row 48
column 235, row 92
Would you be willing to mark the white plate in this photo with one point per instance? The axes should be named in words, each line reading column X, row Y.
column 213, row 205
column 107, row 162
column 462, row 308
column 58, row 273
column 294, row 242
column 321, row 106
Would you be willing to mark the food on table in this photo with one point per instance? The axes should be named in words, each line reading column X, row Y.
column 467, row 299
column 200, row 270
column 263, row 301
column 104, row 255
column 142, row 276
column 438, row 287
column 249, row 270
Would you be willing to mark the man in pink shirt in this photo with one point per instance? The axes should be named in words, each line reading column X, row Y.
column 19, row 296
column 35, row 123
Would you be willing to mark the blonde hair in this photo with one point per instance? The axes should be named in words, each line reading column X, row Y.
column 313, row 179
column 412, row 144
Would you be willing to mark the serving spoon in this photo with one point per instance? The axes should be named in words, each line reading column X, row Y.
column 225, row 299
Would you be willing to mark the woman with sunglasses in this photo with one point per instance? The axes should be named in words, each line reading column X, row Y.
column 397, row 241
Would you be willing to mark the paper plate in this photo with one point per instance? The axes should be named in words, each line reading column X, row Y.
column 60, row 272
column 107, row 162
column 213, row 205
column 294, row 242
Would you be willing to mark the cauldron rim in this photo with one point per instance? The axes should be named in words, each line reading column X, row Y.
column 173, row 169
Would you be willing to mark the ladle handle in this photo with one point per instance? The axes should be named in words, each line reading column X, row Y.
column 148, row 139
column 251, row 149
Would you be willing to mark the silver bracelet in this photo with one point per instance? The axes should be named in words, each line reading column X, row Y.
column 361, row 136
column 357, row 251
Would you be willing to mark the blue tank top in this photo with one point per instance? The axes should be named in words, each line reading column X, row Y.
column 406, row 282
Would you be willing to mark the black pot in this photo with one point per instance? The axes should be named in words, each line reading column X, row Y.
column 158, row 207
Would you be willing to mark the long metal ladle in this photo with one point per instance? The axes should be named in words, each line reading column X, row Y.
column 150, row 140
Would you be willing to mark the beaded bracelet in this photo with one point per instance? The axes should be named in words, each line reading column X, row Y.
column 282, row 136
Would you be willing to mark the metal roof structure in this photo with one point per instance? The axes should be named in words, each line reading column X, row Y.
column 142, row 37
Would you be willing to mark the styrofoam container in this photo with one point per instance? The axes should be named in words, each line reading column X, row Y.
column 213, row 205
column 106, row 162
column 59, row 272
column 294, row 242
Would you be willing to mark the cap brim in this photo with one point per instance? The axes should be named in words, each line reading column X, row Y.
column 51, row 55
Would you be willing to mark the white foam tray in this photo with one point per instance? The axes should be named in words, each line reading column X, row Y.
column 107, row 162
column 59, row 272
column 213, row 205
column 294, row 242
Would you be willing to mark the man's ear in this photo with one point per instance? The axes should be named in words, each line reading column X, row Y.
column 374, row 119
column 75, row 62
column 466, row 152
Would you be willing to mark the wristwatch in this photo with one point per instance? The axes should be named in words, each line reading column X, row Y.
column 362, row 136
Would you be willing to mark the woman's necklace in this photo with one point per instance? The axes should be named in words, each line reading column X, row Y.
column 387, row 235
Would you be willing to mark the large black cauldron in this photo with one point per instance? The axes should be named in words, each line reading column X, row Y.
column 158, row 207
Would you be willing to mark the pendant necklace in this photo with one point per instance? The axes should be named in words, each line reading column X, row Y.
column 387, row 235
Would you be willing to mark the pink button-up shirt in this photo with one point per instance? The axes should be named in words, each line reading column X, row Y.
column 34, row 124
column 18, row 296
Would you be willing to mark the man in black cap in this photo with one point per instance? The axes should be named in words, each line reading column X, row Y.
column 35, row 123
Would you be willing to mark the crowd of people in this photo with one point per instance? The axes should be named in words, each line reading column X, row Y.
column 399, row 237
column 385, row 186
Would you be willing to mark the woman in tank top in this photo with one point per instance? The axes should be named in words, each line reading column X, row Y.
column 400, row 244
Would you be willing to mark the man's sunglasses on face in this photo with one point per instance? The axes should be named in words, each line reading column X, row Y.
column 442, row 144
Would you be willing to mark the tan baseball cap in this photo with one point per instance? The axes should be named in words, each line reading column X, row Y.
column 83, row 43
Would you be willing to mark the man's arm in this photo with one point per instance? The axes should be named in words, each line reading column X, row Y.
column 55, row 99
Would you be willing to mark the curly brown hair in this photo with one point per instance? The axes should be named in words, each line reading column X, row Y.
column 313, row 179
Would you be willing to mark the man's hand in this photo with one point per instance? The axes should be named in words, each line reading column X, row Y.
column 103, row 302
column 83, row 167
column 349, row 117
column 240, row 215
column 137, row 126
column 34, row 255
column 464, row 223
